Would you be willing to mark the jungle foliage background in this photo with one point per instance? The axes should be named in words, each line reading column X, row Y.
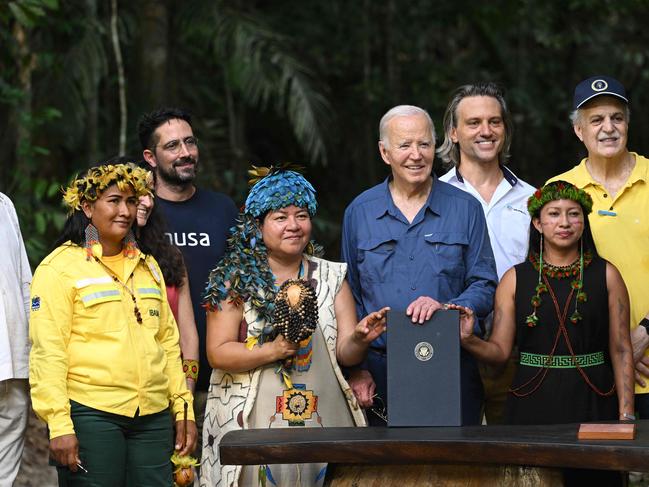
column 283, row 80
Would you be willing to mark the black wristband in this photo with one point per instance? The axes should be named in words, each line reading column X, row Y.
column 645, row 323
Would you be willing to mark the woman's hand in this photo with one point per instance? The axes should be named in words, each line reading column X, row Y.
column 282, row 349
column 467, row 319
column 371, row 327
column 186, row 440
column 65, row 451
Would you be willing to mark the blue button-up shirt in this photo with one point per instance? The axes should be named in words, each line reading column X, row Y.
column 444, row 253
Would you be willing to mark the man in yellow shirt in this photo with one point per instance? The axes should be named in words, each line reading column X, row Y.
column 617, row 180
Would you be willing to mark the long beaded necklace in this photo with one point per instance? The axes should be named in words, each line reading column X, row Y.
column 136, row 309
column 295, row 316
column 562, row 330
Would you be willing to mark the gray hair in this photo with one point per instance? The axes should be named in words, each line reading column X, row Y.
column 449, row 151
column 575, row 115
column 402, row 111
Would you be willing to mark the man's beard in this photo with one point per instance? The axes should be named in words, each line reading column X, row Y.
column 173, row 177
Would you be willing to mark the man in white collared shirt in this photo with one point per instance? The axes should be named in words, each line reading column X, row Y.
column 15, row 277
column 477, row 130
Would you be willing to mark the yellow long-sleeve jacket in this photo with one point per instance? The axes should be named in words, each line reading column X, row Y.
column 88, row 346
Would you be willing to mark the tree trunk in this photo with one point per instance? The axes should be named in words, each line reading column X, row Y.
column 391, row 63
column 236, row 125
column 92, row 101
column 25, row 64
column 370, row 157
column 153, row 54
column 120, row 78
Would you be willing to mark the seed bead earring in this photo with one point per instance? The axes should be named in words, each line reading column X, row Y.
column 532, row 320
column 578, row 285
column 91, row 238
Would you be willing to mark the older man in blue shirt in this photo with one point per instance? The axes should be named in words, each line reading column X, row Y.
column 414, row 243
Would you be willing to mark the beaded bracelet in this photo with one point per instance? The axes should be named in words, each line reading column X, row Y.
column 190, row 368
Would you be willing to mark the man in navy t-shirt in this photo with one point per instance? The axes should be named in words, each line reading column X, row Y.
column 198, row 220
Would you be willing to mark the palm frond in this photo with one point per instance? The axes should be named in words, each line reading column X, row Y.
column 264, row 69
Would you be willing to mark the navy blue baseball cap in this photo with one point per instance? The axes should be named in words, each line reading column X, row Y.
column 597, row 86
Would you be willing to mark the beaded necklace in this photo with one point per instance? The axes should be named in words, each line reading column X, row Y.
column 560, row 272
column 295, row 316
column 545, row 269
column 136, row 309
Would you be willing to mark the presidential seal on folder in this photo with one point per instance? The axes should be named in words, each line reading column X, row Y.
column 424, row 370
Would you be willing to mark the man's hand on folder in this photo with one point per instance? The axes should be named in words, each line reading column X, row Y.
column 422, row 309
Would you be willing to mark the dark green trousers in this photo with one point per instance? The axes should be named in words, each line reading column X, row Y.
column 119, row 451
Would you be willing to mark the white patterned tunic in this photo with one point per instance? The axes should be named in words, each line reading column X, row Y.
column 233, row 396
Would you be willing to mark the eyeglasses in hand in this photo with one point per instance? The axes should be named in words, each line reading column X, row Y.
column 378, row 408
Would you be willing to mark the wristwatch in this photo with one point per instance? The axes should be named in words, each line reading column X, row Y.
column 645, row 323
column 628, row 417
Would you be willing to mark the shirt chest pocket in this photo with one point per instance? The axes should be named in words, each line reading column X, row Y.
column 150, row 303
column 101, row 309
column 376, row 259
column 445, row 254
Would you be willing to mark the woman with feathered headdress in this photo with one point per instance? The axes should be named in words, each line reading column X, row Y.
column 280, row 321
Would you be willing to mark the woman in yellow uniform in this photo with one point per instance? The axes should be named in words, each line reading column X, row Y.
column 105, row 364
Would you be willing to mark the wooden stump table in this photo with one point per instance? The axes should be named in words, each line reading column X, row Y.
column 445, row 456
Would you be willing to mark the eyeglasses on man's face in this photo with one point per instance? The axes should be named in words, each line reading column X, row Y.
column 174, row 146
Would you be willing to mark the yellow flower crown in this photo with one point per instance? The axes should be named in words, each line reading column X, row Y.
column 98, row 178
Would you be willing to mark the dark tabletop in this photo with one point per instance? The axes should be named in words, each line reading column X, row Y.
column 546, row 446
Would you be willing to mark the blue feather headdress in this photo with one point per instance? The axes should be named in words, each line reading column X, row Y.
column 274, row 188
column 243, row 273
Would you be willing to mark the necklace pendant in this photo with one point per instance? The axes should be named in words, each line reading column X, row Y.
column 138, row 315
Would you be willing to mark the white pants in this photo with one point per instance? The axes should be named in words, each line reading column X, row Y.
column 14, row 410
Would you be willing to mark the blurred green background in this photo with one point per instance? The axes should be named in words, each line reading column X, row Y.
column 302, row 81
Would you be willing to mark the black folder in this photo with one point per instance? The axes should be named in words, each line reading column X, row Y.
column 424, row 370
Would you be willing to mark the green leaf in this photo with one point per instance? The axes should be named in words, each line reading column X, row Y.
column 21, row 16
column 52, row 113
column 53, row 189
column 40, row 221
column 40, row 186
column 34, row 10
column 51, row 4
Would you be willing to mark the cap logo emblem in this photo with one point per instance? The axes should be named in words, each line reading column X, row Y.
column 424, row 351
column 599, row 85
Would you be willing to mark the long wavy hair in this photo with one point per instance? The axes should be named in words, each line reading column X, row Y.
column 449, row 151
column 152, row 239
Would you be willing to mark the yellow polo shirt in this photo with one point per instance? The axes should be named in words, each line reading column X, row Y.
column 620, row 228
column 87, row 345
